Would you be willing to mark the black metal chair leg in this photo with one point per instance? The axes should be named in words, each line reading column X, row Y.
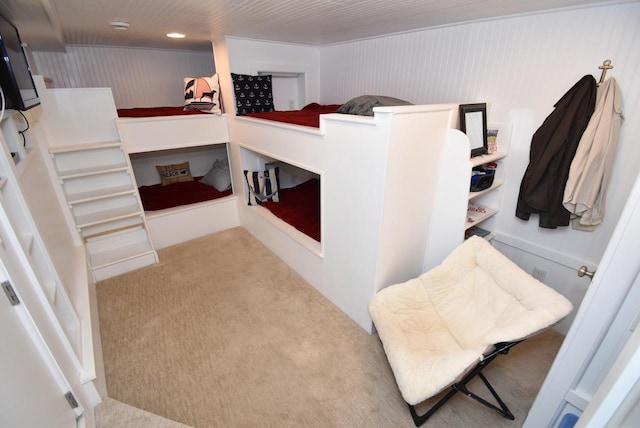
column 500, row 349
column 503, row 409
column 420, row 419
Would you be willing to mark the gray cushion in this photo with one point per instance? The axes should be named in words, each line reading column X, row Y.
column 218, row 176
column 364, row 104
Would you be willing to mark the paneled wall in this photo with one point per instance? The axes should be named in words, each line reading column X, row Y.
column 200, row 158
column 520, row 66
column 137, row 77
column 299, row 62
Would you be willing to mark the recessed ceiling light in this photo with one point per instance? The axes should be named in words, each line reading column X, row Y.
column 176, row 35
column 119, row 25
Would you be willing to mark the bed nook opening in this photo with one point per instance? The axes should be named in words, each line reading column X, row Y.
column 288, row 89
column 176, row 177
column 286, row 195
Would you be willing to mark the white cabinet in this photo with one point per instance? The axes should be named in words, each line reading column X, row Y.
column 40, row 262
column 18, row 169
column 102, row 195
column 484, row 205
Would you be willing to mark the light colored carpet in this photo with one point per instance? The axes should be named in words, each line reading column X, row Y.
column 221, row 333
column 114, row 414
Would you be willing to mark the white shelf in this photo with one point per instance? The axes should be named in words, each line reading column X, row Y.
column 477, row 214
column 112, row 226
column 490, row 157
column 77, row 148
column 106, row 216
column 120, row 254
column 86, row 172
column 27, row 242
column 82, row 161
column 494, row 186
column 485, row 204
column 478, row 231
column 94, row 195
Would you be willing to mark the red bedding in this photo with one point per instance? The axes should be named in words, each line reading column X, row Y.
column 159, row 197
column 156, row 111
column 300, row 207
column 308, row 116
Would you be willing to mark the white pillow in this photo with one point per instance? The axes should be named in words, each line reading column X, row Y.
column 218, row 176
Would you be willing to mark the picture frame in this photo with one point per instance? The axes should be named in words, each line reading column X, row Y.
column 473, row 122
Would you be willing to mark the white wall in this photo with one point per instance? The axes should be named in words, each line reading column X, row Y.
column 253, row 56
column 137, row 77
column 521, row 66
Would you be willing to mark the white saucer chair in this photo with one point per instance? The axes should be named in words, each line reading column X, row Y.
column 442, row 329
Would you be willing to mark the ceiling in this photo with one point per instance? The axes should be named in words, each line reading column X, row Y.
column 52, row 24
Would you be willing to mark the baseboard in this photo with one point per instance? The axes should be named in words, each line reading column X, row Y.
column 549, row 254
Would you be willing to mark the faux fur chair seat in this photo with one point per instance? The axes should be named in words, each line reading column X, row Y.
column 437, row 327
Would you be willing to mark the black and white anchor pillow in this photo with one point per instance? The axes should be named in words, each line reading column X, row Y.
column 254, row 94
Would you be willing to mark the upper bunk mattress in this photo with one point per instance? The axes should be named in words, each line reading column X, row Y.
column 156, row 111
column 307, row 116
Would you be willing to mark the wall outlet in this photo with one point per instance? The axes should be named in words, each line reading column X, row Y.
column 539, row 274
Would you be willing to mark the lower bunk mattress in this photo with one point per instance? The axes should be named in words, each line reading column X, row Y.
column 299, row 206
column 158, row 197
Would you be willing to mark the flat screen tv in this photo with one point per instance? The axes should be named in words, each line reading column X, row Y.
column 15, row 75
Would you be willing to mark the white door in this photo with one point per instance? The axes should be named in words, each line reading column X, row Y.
column 608, row 314
column 31, row 394
column 616, row 403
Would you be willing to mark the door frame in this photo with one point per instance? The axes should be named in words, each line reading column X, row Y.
column 613, row 280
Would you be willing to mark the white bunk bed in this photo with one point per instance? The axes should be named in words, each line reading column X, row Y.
column 393, row 196
column 148, row 134
column 393, row 186
column 86, row 117
column 142, row 137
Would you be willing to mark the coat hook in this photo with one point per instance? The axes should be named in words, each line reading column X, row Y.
column 606, row 65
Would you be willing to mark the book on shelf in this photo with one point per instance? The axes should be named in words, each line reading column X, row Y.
column 492, row 140
column 475, row 231
column 476, row 213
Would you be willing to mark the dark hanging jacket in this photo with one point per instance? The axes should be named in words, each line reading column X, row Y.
column 552, row 149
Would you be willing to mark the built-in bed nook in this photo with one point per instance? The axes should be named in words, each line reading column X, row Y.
column 175, row 178
column 387, row 193
column 196, row 141
column 393, row 195
column 296, row 208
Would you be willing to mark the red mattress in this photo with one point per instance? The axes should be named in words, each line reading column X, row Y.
column 159, row 197
column 308, row 116
column 156, row 111
column 300, row 207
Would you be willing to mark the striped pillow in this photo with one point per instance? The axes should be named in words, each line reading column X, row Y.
column 263, row 186
column 271, row 190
